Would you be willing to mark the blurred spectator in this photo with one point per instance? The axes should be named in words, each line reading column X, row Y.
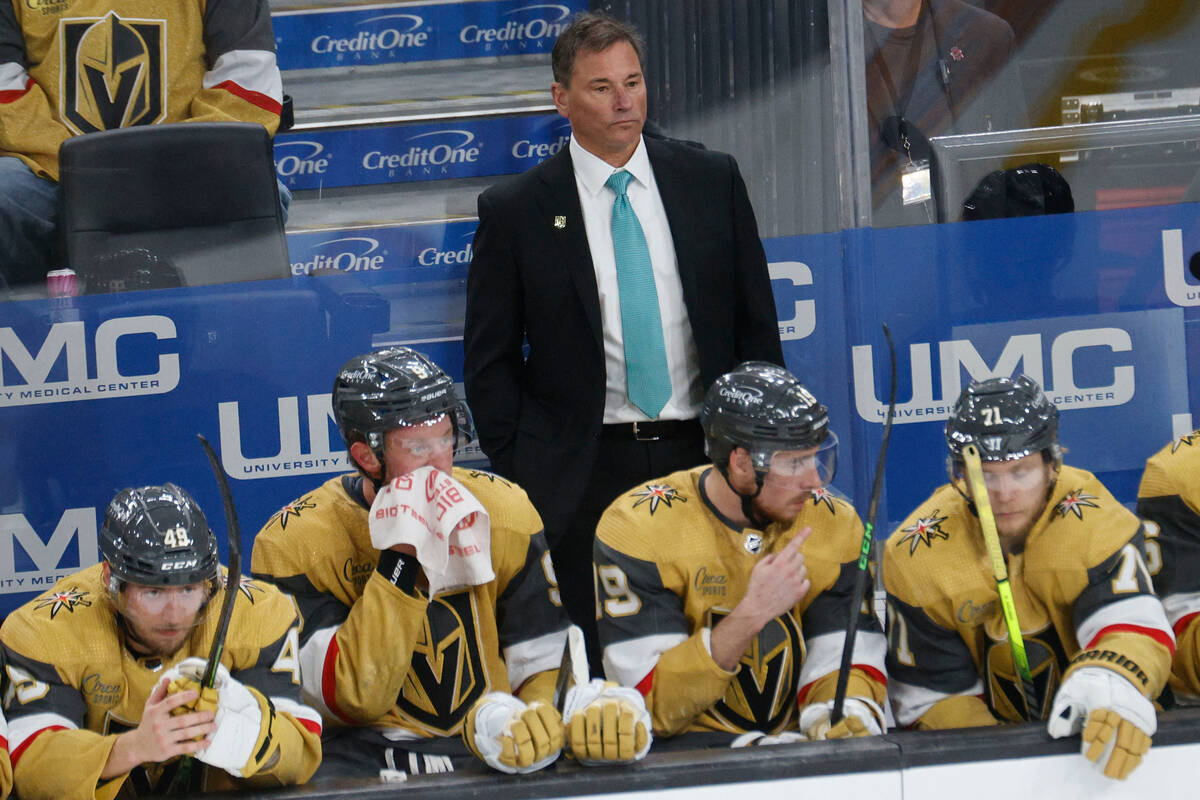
column 932, row 67
column 113, row 64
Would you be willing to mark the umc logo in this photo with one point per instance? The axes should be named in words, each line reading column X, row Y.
column 112, row 73
column 322, row 455
column 1021, row 353
column 1180, row 291
column 804, row 312
column 29, row 381
column 75, row 525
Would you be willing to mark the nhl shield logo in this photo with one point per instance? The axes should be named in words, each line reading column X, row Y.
column 753, row 542
column 112, row 73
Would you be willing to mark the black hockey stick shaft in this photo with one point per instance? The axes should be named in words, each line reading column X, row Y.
column 864, row 556
column 233, row 575
column 187, row 778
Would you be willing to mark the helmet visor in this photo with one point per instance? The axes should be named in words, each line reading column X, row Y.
column 814, row 466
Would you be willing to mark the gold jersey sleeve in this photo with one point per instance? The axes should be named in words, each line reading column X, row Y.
column 76, row 686
column 374, row 654
column 670, row 568
column 1080, row 587
column 1169, row 503
column 5, row 764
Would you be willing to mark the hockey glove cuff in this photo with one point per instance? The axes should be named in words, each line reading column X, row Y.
column 861, row 716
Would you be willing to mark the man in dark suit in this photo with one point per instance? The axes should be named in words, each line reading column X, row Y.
column 587, row 414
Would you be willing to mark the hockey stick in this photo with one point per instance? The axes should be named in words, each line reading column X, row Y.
column 864, row 556
column 184, row 780
column 574, row 667
column 991, row 538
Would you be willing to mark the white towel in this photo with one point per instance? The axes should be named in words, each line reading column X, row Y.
column 447, row 525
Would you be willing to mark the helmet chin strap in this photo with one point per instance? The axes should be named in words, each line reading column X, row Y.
column 756, row 517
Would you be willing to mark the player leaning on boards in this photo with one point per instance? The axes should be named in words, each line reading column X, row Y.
column 98, row 702
column 1169, row 503
column 1098, row 643
column 726, row 588
column 400, row 652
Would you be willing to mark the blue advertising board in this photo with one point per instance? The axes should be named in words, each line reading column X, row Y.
column 102, row 392
column 324, row 159
column 387, row 33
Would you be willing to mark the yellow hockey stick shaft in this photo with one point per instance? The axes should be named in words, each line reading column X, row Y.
column 991, row 538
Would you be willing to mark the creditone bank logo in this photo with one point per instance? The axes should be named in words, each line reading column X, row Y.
column 530, row 150
column 433, row 149
column 26, row 366
column 448, row 256
column 76, row 525
column 537, row 23
column 804, row 312
column 1021, row 353
column 1180, row 290
column 304, row 158
column 323, row 455
column 348, row 254
column 382, row 34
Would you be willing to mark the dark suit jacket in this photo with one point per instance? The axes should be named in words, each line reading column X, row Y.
column 532, row 279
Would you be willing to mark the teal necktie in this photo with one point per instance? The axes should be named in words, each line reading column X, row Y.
column 648, row 382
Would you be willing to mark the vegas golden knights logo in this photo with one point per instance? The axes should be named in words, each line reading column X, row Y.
column 1005, row 691
column 112, row 73
column 762, row 696
column 447, row 674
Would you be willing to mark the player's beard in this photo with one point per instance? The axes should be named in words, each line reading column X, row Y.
column 781, row 513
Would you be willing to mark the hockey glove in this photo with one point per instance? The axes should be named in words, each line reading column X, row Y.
column 1119, row 719
column 510, row 736
column 861, row 716
column 606, row 723
column 760, row 739
column 241, row 745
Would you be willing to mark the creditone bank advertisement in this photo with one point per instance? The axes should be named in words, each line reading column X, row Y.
column 103, row 392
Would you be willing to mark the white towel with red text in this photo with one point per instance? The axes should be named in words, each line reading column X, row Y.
column 443, row 521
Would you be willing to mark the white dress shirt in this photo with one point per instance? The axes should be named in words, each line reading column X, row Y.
column 591, row 172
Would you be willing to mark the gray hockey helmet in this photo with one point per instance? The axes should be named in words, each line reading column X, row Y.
column 158, row 536
column 1005, row 418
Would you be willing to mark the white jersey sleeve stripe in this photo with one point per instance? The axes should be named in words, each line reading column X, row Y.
column 1178, row 606
column 22, row 730
column 251, row 70
column 528, row 658
column 628, row 661
column 825, row 654
column 14, row 81
column 1143, row 611
column 911, row 702
column 312, row 669
column 308, row 717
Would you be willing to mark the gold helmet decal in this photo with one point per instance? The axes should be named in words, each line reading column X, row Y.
column 112, row 73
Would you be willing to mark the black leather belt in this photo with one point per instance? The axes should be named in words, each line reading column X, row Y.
column 651, row 431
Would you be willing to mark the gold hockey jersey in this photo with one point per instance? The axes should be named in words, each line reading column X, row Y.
column 1082, row 591
column 73, row 686
column 670, row 567
column 1169, row 503
column 5, row 764
column 373, row 654
column 69, row 67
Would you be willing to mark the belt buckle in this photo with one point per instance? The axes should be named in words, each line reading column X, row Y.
column 637, row 435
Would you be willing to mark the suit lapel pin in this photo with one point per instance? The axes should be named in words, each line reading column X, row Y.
column 560, row 222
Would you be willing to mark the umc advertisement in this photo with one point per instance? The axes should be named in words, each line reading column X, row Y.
column 102, row 392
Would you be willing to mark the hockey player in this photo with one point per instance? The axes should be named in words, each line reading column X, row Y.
column 1098, row 644
column 726, row 589
column 1169, row 504
column 98, row 704
column 405, row 670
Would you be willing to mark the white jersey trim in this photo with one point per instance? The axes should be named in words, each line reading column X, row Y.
column 255, row 70
column 13, row 77
column 1143, row 610
column 21, row 729
column 911, row 702
column 312, row 669
column 528, row 658
column 629, row 661
column 298, row 710
column 1178, row 606
column 825, row 654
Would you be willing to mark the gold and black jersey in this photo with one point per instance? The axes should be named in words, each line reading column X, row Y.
column 670, row 567
column 1082, row 592
column 69, row 67
column 73, row 685
column 373, row 654
column 5, row 764
column 1169, row 503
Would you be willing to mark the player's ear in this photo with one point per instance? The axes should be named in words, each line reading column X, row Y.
column 741, row 468
column 365, row 458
